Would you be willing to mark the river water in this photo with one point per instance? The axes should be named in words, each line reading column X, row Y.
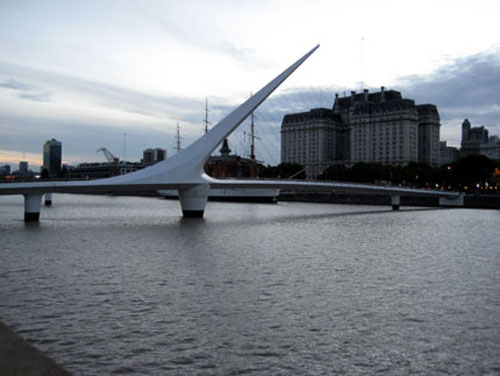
column 123, row 285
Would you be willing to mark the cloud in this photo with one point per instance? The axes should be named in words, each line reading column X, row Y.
column 89, row 98
column 28, row 91
column 464, row 88
column 43, row 97
column 15, row 85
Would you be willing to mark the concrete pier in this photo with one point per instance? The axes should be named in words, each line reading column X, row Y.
column 48, row 199
column 18, row 357
column 32, row 203
column 193, row 200
column 395, row 201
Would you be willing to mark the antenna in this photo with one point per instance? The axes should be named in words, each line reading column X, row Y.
column 124, row 145
column 206, row 116
column 178, row 148
column 362, row 68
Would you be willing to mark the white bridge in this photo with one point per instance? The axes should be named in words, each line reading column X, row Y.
column 184, row 172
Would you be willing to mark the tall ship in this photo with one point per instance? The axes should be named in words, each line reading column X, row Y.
column 227, row 165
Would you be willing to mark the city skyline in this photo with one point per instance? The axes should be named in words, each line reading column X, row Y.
column 86, row 74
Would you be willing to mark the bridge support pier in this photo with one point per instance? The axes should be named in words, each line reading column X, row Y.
column 48, row 199
column 32, row 203
column 193, row 200
column 395, row 202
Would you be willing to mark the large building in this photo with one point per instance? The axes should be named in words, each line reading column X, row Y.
column 314, row 139
column 381, row 127
column 52, row 155
column 448, row 154
column 476, row 140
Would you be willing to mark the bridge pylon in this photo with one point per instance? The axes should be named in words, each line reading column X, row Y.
column 193, row 200
column 32, row 204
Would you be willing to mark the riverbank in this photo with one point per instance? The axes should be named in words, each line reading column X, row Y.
column 473, row 201
column 18, row 357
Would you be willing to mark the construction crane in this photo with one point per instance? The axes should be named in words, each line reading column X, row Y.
column 113, row 161
column 109, row 156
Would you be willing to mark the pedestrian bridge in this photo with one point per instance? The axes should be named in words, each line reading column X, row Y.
column 184, row 171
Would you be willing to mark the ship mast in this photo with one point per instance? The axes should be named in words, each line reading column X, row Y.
column 206, row 115
column 252, row 136
column 178, row 148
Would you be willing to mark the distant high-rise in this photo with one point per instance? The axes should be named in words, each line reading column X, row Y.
column 52, row 156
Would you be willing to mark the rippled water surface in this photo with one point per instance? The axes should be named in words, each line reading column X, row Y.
column 121, row 285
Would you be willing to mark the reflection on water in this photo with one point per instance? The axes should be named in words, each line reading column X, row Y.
column 125, row 285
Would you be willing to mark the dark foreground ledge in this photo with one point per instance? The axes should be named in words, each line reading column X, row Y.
column 18, row 357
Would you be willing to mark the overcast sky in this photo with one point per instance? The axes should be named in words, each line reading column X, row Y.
column 120, row 74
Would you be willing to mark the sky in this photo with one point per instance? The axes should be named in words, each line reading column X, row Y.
column 123, row 74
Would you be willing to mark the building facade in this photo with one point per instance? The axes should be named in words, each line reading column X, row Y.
column 314, row 139
column 152, row 156
column 381, row 127
column 428, row 135
column 227, row 165
column 52, row 157
column 448, row 154
column 476, row 140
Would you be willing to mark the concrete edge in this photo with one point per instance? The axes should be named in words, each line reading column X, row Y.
column 18, row 357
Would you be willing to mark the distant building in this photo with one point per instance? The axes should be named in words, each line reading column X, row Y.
column 101, row 170
column 381, row 127
column 52, row 157
column 448, row 154
column 23, row 166
column 229, row 165
column 5, row 170
column 23, row 172
column 152, row 156
column 476, row 140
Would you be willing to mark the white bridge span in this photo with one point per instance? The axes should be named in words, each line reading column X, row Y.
column 184, row 171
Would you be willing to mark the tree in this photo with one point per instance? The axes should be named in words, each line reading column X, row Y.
column 282, row 171
column 472, row 170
